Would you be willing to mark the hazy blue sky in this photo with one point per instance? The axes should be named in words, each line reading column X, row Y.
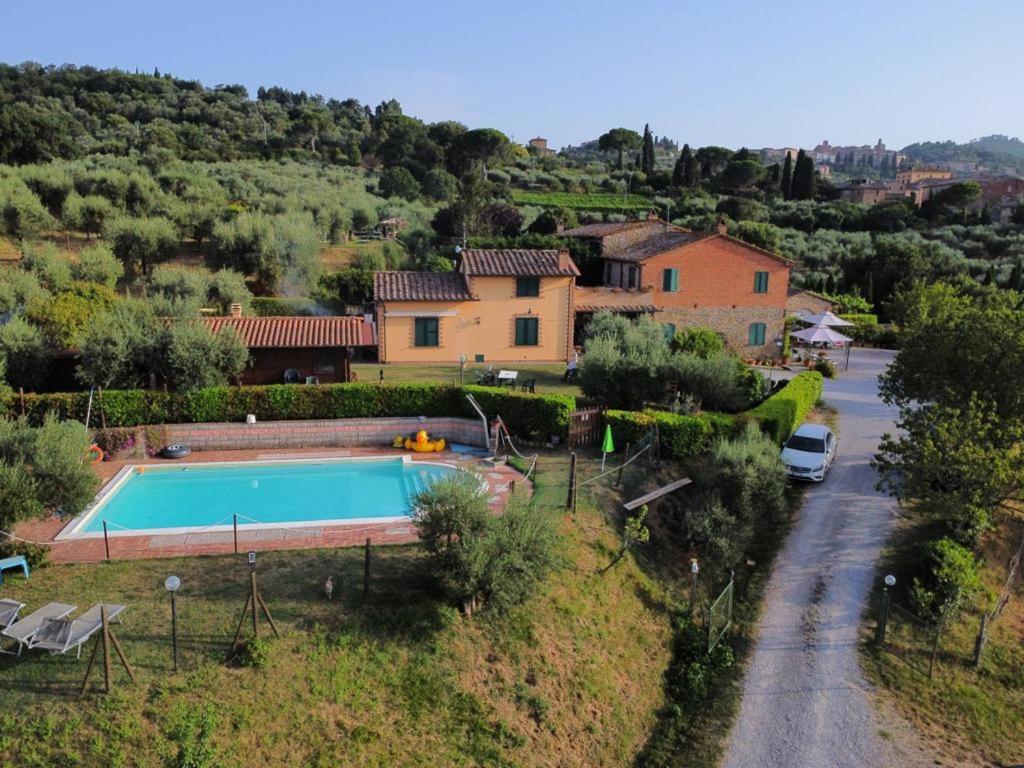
column 754, row 73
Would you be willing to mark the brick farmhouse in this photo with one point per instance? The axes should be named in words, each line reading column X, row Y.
column 695, row 279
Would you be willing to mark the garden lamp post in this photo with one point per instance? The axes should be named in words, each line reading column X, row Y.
column 694, row 570
column 883, row 612
column 172, row 584
column 462, row 368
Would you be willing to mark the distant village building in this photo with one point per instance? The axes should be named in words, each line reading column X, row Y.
column 905, row 179
column 1001, row 194
column 864, row 191
column 539, row 146
column 864, row 155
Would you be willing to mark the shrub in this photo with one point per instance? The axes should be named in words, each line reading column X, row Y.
column 276, row 306
column 784, row 411
column 525, row 414
column 680, row 435
column 826, row 368
column 477, row 557
column 949, row 583
column 702, row 342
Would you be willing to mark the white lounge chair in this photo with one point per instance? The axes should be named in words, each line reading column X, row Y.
column 24, row 630
column 9, row 612
column 60, row 635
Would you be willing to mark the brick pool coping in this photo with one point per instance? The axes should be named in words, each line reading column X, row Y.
column 91, row 550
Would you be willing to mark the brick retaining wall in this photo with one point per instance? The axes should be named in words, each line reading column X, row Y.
column 328, row 432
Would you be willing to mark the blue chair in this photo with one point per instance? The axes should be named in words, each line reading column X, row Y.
column 18, row 561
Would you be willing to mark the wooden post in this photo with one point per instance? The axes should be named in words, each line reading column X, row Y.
column 122, row 657
column 252, row 598
column 570, row 499
column 266, row 612
column 622, row 466
column 979, row 641
column 21, row 396
column 106, row 541
column 366, row 571
column 238, row 629
column 88, row 669
column 107, row 671
column 103, row 415
column 935, row 649
column 235, row 527
column 511, row 487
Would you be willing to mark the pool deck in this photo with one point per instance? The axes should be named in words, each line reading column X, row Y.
column 91, row 550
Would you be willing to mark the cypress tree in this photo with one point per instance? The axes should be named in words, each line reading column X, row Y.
column 647, row 152
column 776, row 174
column 691, row 174
column 1015, row 276
column 787, row 177
column 679, row 171
column 802, row 186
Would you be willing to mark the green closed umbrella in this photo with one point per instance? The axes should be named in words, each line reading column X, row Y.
column 607, row 446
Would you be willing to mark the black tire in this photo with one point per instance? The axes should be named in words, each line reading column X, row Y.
column 175, row 451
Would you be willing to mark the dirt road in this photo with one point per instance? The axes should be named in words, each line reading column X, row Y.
column 805, row 702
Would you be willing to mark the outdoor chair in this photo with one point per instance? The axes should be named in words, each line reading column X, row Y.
column 9, row 612
column 23, row 631
column 60, row 635
column 291, row 376
column 528, row 385
column 8, row 563
column 486, row 379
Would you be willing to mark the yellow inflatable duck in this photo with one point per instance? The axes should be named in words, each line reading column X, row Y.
column 423, row 444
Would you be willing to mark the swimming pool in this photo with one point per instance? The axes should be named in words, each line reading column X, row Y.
column 189, row 497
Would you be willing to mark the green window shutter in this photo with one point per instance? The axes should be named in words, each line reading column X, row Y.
column 670, row 280
column 426, row 332
column 756, row 334
column 526, row 331
column 527, row 286
column 760, row 282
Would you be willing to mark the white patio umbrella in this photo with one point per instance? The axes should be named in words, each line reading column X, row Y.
column 820, row 333
column 824, row 318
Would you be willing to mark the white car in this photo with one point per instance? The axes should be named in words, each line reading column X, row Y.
column 809, row 452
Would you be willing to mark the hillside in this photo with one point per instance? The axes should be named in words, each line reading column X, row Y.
column 994, row 152
column 573, row 677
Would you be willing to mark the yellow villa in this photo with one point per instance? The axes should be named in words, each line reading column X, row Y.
column 497, row 306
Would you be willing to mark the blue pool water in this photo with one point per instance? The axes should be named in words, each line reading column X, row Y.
column 199, row 496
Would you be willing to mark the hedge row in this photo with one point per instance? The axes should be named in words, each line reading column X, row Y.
column 525, row 414
column 783, row 412
column 681, row 435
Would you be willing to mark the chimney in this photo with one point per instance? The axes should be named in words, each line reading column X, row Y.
column 236, row 309
column 721, row 227
column 564, row 261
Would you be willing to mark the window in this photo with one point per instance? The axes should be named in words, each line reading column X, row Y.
column 608, row 273
column 760, row 282
column 324, row 362
column 670, row 280
column 632, row 278
column 527, row 286
column 670, row 331
column 426, row 331
column 755, row 336
column 526, row 331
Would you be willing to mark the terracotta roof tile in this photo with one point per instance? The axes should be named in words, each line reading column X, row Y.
column 420, row 286
column 597, row 298
column 659, row 242
column 517, row 262
column 275, row 332
column 606, row 229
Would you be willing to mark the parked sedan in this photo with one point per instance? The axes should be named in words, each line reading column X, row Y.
column 809, row 452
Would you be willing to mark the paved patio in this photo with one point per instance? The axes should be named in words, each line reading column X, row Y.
column 218, row 542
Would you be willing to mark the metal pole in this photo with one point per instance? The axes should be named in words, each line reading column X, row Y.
column 106, row 649
column 174, row 629
column 625, row 458
column 252, row 597
column 235, row 525
column 106, row 541
column 883, row 617
column 570, row 500
column 366, row 571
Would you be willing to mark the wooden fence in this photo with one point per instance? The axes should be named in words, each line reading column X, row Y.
column 585, row 427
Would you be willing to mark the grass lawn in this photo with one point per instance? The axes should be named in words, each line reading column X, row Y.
column 974, row 716
column 548, row 375
column 573, row 677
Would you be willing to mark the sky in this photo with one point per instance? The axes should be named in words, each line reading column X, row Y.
column 736, row 73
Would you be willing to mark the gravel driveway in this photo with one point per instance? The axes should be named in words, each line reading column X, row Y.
column 805, row 702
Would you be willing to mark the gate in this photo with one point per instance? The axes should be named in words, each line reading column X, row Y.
column 912, row 639
column 585, row 427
